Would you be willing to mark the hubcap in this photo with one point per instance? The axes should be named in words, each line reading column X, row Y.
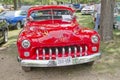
column 6, row 36
column 18, row 25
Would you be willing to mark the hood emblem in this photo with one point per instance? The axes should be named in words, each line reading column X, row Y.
column 45, row 33
column 63, row 39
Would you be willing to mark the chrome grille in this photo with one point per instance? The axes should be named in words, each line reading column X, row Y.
column 55, row 52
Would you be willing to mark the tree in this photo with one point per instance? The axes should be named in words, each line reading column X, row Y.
column 106, row 27
column 15, row 4
column 6, row 1
column 19, row 3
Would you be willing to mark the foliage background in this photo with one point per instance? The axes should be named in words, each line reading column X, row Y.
column 46, row 1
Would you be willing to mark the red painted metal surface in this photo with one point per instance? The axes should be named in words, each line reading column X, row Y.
column 46, row 34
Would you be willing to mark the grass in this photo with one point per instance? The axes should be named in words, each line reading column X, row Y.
column 110, row 61
column 85, row 20
column 13, row 34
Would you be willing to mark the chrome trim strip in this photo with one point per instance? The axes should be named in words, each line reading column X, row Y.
column 69, row 51
column 75, row 51
column 86, row 49
column 37, row 54
column 43, row 54
column 50, row 53
column 63, row 52
column 80, row 51
column 56, row 51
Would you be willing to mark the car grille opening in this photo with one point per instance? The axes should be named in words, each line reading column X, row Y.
column 52, row 53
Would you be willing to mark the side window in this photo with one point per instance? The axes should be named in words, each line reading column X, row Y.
column 23, row 13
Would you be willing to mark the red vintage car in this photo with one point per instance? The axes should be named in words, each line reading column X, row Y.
column 52, row 37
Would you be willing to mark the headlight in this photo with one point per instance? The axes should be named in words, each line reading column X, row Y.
column 25, row 44
column 94, row 39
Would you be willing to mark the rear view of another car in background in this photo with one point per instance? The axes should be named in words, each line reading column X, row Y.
column 88, row 10
column 77, row 7
column 3, row 31
column 14, row 18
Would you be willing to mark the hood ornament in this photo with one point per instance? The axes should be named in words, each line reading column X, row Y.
column 45, row 33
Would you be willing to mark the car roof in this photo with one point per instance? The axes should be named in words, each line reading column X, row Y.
column 10, row 13
column 25, row 7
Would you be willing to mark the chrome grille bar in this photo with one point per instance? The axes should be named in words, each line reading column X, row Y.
column 80, row 51
column 56, row 51
column 43, row 54
column 50, row 53
column 69, row 51
column 63, row 52
column 86, row 49
column 37, row 54
column 75, row 51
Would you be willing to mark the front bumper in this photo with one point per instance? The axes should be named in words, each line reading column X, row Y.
column 53, row 63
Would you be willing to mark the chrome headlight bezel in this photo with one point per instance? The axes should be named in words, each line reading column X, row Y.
column 95, row 39
column 26, row 44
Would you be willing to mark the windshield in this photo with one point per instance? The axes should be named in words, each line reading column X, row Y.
column 51, row 14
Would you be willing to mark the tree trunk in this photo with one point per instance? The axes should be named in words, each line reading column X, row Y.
column 15, row 4
column 19, row 3
column 106, row 25
column 71, row 1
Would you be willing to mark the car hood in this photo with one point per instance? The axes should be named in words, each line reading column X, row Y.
column 52, row 35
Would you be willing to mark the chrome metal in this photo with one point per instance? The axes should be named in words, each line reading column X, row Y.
column 37, row 53
column 53, row 63
column 56, row 51
column 80, row 51
column 75, row 51
column 50, row 53
column 86, row 49
column 69, row 51
column 63, row 52
column 43, row 54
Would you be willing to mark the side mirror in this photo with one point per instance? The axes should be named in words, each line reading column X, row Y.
column 74, row 17
column 29, row 18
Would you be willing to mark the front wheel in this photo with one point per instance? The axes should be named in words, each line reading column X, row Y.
column 5, row 34
column 18, row 25
column 26, row 69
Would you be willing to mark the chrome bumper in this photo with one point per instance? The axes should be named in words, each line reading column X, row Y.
column 53, row 63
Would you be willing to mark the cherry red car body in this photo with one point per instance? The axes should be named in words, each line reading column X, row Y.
column 52, row 37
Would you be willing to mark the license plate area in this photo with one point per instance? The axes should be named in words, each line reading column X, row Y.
column 64, row 61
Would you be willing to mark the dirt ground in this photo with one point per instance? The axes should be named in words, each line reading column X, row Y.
column 10, row 69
